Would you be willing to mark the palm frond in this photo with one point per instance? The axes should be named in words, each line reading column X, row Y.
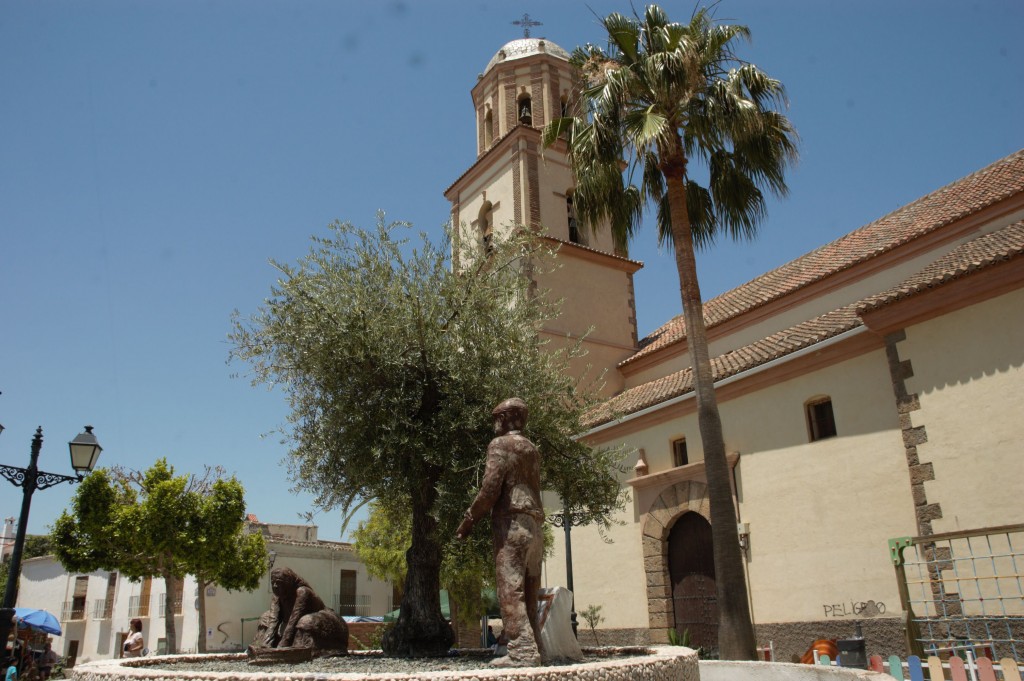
column 700, row 209
column 662, row 89
column 644, row 126
column 556, row 129
column 652, row 181
column 739, row 203
column 663, row 221
column 761, row 88
column 624, row 34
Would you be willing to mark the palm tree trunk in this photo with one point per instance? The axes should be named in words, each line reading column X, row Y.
column 421, row 630
column 736, row 631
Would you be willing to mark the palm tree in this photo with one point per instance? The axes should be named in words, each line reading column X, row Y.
column 662, row 95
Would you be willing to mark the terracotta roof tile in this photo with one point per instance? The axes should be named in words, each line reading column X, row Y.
column 765, row 350
column 983, row 251
column 966, row 196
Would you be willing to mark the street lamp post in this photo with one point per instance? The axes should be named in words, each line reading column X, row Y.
column 85, row 450
column 566, row 519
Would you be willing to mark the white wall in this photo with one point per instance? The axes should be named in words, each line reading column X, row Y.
column 969, row 377
column 820, row 513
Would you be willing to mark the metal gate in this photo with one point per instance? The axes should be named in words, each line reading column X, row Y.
column 963, row 591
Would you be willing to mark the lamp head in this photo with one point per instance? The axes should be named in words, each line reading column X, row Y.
column 85, row 451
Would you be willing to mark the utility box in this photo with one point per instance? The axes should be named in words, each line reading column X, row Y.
column 852, row 653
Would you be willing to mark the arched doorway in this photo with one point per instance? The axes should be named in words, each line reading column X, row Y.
column 691, row 567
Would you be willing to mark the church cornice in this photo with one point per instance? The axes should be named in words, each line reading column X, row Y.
column 503, row 145
column 494, row 71
column 575, row 250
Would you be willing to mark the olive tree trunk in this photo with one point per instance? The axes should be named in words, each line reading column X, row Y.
column 421, row 629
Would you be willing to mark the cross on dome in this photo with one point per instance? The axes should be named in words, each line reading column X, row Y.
column 526, row 22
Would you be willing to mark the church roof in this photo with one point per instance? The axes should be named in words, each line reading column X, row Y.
column 955, row 201
column 984, row 251
column 526, row 47
column 760, row 352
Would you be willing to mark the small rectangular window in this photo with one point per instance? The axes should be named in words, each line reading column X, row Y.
column 679, row 455
column 79, row 599
column 144, row 597
column 347, row 593
column 821, row 422
column 179, row 593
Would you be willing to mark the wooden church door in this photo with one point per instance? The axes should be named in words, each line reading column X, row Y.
column 691, row 566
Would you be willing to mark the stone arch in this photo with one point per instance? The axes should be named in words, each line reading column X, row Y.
column 524, row 109
column 488, row 131
column 674, row 501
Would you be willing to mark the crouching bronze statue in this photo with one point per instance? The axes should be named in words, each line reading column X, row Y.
column 298, row 618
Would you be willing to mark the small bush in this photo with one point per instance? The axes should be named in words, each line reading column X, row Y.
column 593, row 617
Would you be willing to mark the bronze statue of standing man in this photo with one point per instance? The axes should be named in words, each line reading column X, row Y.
column 511, row 491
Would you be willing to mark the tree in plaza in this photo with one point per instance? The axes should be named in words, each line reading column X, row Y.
column 157, row 524
column 392, row 363
column 224, row 554
column 664, row 94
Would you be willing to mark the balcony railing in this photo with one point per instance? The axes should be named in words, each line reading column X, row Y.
column 137, row 607
column 73, row 610
column 102, row 609
column 360, row 608
column 163, row 607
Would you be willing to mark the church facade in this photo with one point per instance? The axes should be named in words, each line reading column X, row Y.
column 869, row 390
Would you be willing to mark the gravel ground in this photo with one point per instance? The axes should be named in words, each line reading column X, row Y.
column 364, row 664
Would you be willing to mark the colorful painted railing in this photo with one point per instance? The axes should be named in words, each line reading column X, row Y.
column 934, row 669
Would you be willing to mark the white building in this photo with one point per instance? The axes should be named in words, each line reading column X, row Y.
column 94, row 609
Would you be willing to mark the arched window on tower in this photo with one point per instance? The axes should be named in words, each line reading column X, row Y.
column 575, row 233
column 488, row 129
column 563, row 106
column 525, row 109
column 486, row 225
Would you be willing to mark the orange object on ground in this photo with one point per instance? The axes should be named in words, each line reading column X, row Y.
column 824, row 646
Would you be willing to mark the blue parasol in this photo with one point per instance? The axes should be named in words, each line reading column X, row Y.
column 40, row 620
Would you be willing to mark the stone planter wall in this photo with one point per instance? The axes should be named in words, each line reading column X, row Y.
column 655, row 664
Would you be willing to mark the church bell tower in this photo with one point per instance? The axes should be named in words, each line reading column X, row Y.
column 515, row 182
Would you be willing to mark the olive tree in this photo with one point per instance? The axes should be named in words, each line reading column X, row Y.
column 392, row 363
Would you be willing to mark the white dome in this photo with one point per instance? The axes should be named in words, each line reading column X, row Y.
column 526, row 47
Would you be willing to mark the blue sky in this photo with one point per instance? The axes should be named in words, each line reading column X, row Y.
column 154, row 154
